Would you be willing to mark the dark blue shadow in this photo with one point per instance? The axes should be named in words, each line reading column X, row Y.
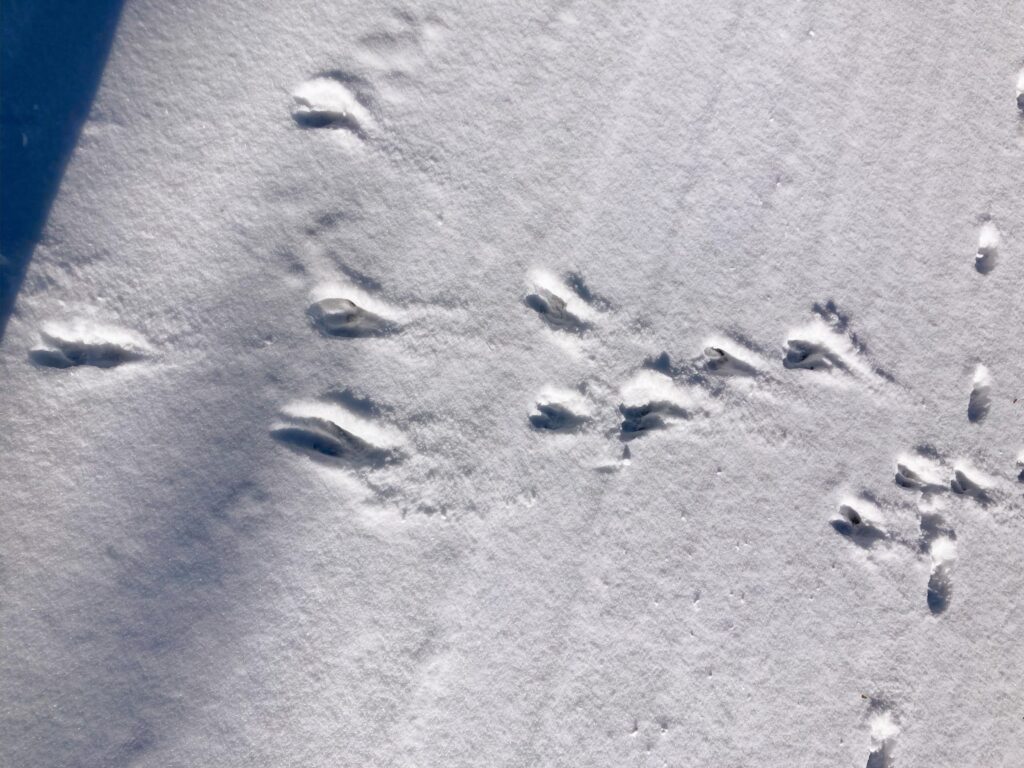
column 52, row 54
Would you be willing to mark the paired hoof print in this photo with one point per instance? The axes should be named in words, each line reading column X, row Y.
column 345, row 319
column 327, row 102
column 858, row 528
column 84, row 344
column 560, row 411
column 328, row 431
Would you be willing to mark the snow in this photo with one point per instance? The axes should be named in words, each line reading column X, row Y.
column 502, row 384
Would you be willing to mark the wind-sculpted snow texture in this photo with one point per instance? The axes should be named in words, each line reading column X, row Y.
column 530, row 384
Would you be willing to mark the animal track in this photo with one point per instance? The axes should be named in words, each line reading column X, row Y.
column 563, row 307
column 345, row 319
column 81, row 343
column 884, row 730
column 924, row 471
column 981, row 399
column 988, row 248
column 330, row 430
column 560, row 411
column 938, row 542
column 859, row 525
column 328, row 102
column 828, row 344
column 650, row 401
column 645, row 417
column 552, row 309
column 917, row 472
column 725, row 357
column 964, row 484
column 822, row 345
column 1020, row 467
column 924, row 474
column 811, row 355
column 1020, row 91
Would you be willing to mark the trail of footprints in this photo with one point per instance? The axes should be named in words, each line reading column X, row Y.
column 339, row 429
column 861, row 521
column 661, row 394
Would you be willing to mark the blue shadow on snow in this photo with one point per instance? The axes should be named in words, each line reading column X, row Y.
column 52, row 54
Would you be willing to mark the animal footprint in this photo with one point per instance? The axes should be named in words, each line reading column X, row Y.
column 724, row 357
column 329, row 102
column 81, row 343
column 981, row 399
column 812, row 355
column 988, row 248
column 884, row 730
column 1020, row 466
column 917, row 472
column 346, row 319
column 827, row 344
column 860, row 524
column 1020, row 91
column 563, row 307
column 650, row 401
column 939, row 543
column 345, row 311
column 560, row 411
column 968, row 482
column 332, row 431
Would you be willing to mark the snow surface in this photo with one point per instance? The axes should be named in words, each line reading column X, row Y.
column 525, row 384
